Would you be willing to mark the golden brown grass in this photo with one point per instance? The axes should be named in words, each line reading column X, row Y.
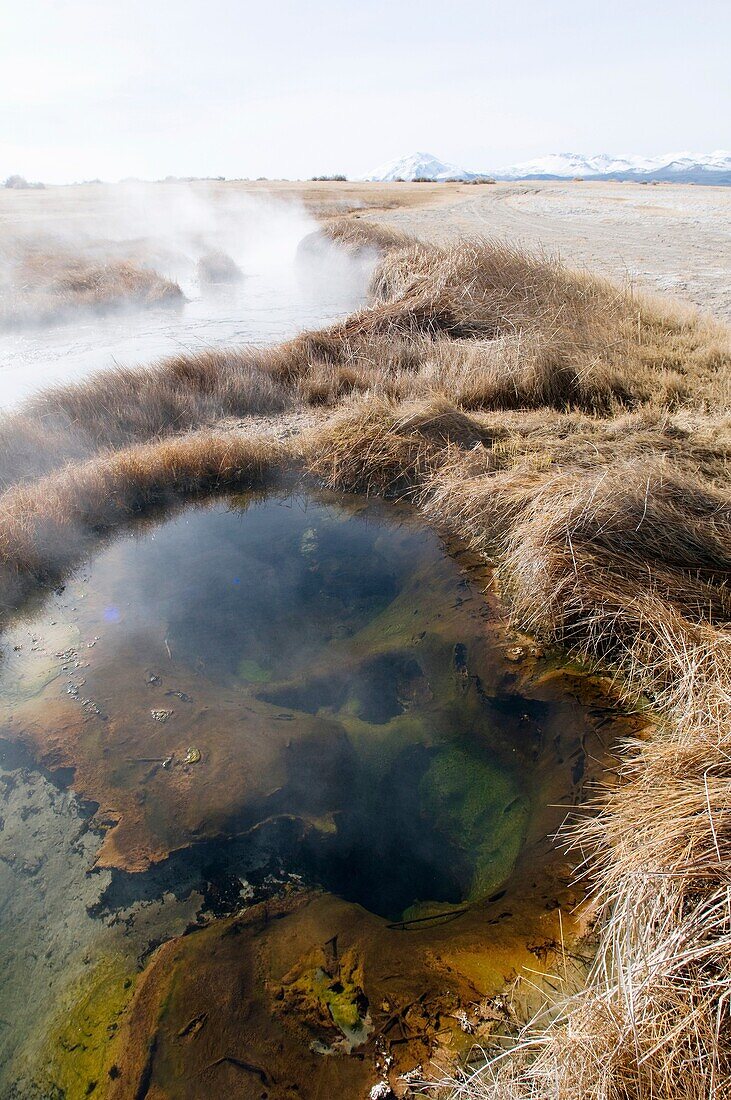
column 492, row 327
column 579, row 436
column 479, row 325
column 42, row 287
column 123, row 406
column 354, row 235
column 47, row 526
column 612, row 537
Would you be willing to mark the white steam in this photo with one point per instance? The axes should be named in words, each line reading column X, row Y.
column 169, row 228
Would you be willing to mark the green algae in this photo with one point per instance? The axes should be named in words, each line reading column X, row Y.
column 341, row 1000
column 481, row 811
column 335, row 993
column 254, row 673
column 79, row 1053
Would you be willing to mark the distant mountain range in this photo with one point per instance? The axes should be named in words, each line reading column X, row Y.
column 674, row 167
column 419, row 166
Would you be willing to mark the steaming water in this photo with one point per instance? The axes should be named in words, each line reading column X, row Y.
column 322, row 658
column 263, row 692
column 272, row 303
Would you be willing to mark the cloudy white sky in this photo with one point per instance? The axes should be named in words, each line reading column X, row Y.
column 293, row 88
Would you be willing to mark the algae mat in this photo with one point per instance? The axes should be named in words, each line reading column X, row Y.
column 298, row 701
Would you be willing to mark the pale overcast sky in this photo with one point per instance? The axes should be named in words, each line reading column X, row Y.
column 113, row 88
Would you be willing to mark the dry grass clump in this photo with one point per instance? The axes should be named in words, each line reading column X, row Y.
column 386, row 449
column 490, row 326
column 568, row 538
column 354, row 234
column 606, row 534
column 599, row 344
column 612, row 537
column 48, row 526
column 44, row 287
column 352, row 240
column 218, row 267
column 119, row 407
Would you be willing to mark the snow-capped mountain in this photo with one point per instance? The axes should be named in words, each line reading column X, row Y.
column 419, row 166
column 681, row 167
column 560, row 165
column 677, row 167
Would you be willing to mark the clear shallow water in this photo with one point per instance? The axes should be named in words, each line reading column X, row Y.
column 262, row 690
column 305, row 650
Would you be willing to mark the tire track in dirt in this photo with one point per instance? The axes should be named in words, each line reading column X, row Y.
column 674, row 239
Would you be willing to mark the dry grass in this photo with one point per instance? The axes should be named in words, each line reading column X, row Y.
column 478, row 325
column 653, row 1020
column 579, row 436
column 492, row 327
column 120, row 407
column 46, row 527
column 43, row 287
column 354, row 235
column 612, row 537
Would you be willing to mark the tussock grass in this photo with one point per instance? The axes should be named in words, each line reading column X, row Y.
column 579, row 436
column 613, row 538
column 47, row 527
column 41, row 287
column 355, row 234
column 122, row 406
column 492, row 327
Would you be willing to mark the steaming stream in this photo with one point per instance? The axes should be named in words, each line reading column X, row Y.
column 264, row 308
column 170, row 228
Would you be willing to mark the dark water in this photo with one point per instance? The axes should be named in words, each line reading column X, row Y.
column 320, row 656
column 251, row 696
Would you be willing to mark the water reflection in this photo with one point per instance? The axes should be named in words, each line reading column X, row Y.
column 255, row 694
column 287, row 658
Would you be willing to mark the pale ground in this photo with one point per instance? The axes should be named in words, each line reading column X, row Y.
column 671, row 238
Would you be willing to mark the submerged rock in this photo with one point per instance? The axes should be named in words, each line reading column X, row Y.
column 516, row 653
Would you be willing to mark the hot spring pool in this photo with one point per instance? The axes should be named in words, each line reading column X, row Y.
column 283, row 692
